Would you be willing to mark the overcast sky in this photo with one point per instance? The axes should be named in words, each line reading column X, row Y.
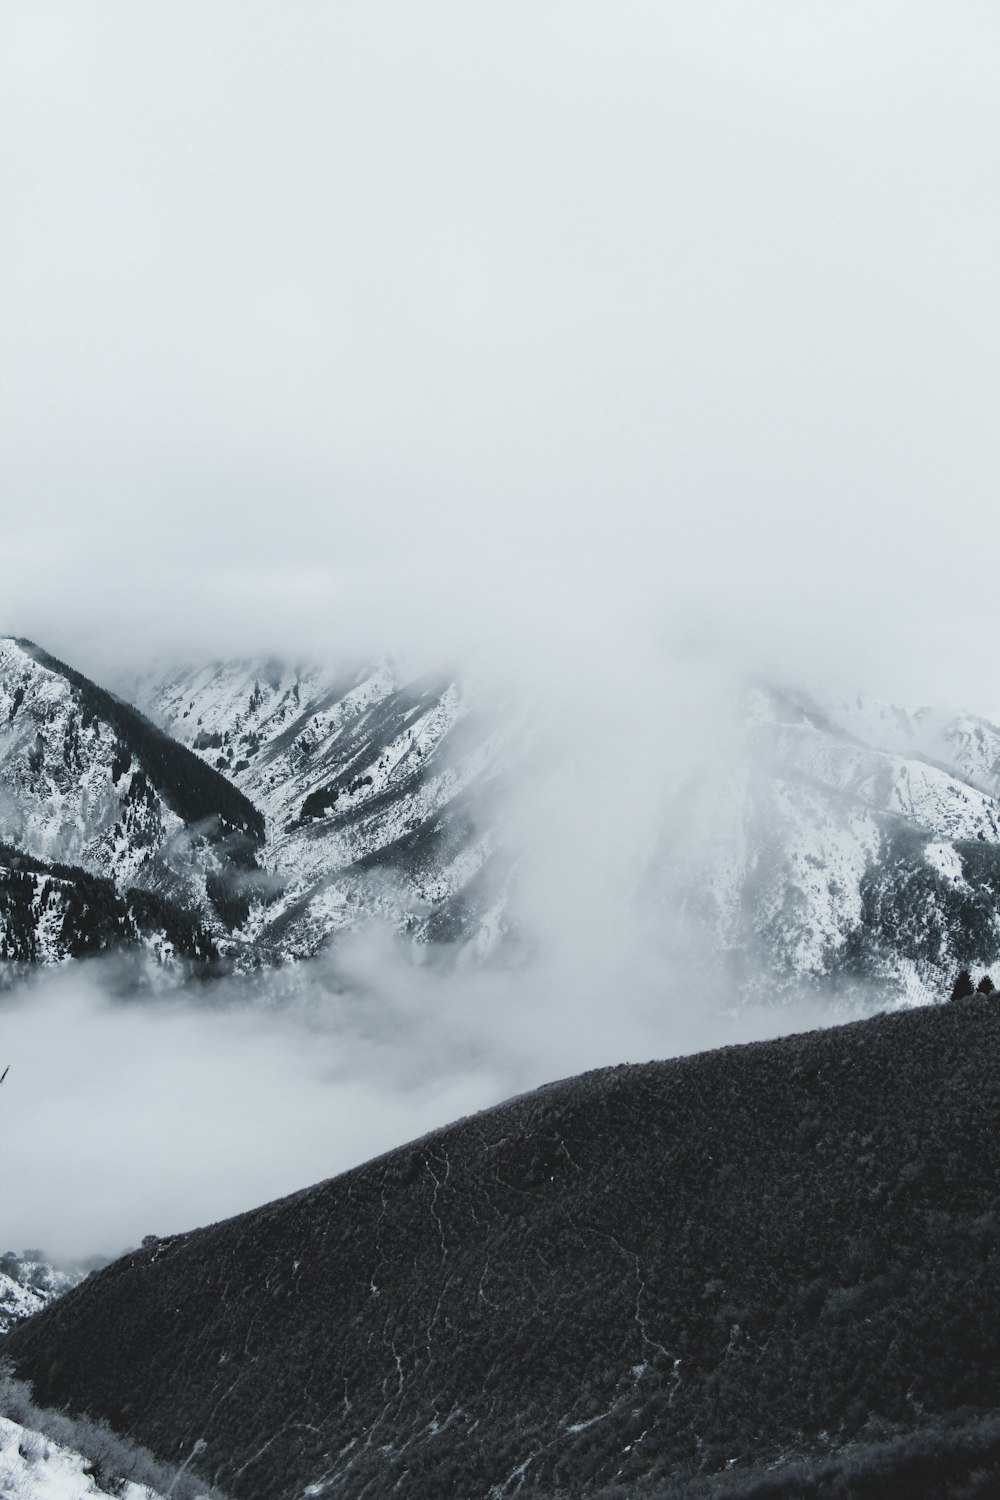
column 360, row 325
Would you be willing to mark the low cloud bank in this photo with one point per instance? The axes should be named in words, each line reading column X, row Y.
column 127, row 1113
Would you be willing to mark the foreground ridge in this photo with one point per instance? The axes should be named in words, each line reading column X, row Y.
column 645, row 1275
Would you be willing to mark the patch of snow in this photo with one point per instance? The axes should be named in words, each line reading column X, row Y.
column 32, row 1467
column 943, row 858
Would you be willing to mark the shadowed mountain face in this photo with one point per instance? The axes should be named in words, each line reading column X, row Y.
column 628, row 1282
column 74, row 753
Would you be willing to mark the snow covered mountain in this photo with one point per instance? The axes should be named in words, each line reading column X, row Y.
column 28, row 1283
column 365, row 787
column 844, row 844
column 827, row 844
column 87, row 780
column 834, row 845
column 111, row 833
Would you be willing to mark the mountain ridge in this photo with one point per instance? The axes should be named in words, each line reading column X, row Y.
column 156, row 752
column 831, row 850
column 651, row 1275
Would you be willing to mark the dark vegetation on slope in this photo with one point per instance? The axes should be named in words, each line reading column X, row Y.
column 111, row 1461
column 651, row 1280
column 950, row 1460
column 90, row 915
column 194, row 790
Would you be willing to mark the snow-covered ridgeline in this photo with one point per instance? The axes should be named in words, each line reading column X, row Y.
column 817, row 856
column 365, row 785
column 66, row 792
column 830, row 840
column 27, row 1284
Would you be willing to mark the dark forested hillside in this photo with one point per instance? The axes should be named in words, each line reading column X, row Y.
column 52, row 912
column 625, row 1283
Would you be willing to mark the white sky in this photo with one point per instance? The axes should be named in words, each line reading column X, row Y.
column 366, row 324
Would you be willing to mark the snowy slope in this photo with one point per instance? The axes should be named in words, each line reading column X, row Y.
column 66, row 793
column 18, row 1301
column 87, row 784
column 27, row 1284
column 828, row 858
column 33, row 1467
column 365, row 785
column 831, row 846
column 964, row 744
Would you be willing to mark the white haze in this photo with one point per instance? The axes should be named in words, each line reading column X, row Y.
column 361, row 326
column 606, row 353
column 125, row 1115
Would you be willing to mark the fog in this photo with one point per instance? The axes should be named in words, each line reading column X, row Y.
column 126, row 1115
column 374, row 326
column 604, row 355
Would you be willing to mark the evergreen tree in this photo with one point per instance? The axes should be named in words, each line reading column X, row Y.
column 963, row 985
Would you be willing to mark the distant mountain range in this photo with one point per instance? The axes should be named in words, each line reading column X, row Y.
column 28, row 1282
column 842, row 847
column 373, row 792
column 264, row 812
column 767, row 1272
column 247, row 813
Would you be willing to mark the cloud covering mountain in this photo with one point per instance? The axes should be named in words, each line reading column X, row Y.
column 481, row 333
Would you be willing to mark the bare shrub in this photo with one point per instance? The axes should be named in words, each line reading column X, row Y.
column 110, row 1458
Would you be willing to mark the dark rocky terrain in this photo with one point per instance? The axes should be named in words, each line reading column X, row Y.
column 765, row 1270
